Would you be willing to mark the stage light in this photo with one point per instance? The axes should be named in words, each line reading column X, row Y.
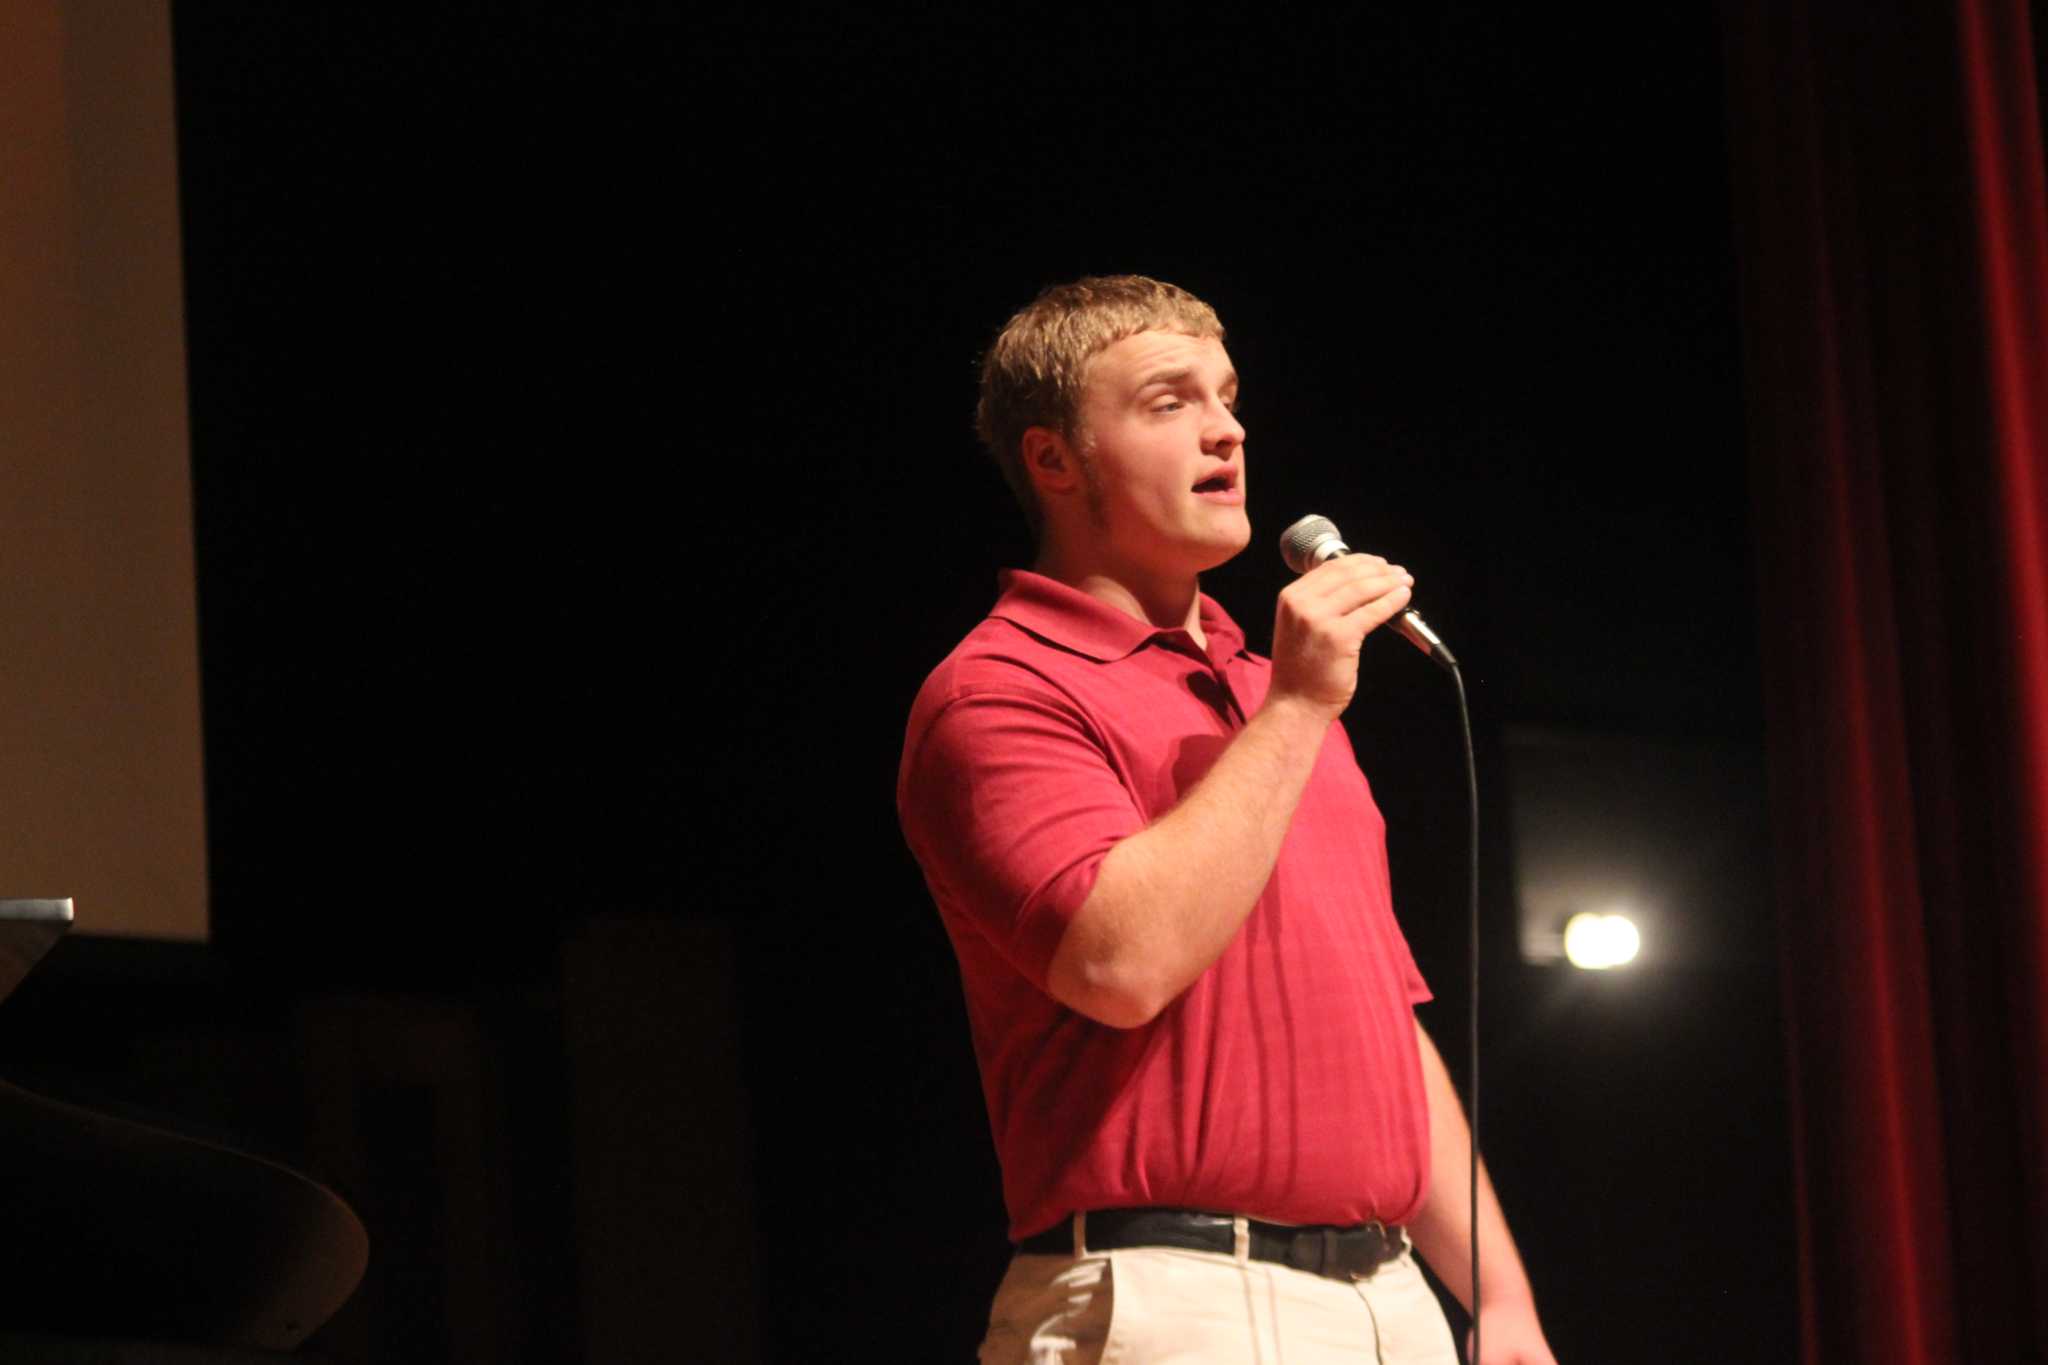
column 1598, row 942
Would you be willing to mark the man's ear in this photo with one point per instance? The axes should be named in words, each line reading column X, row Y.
column 1052, row 464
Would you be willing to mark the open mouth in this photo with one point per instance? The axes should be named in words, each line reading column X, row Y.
column 1217, row 483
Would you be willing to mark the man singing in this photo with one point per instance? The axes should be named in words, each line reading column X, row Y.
column 1220, row 1126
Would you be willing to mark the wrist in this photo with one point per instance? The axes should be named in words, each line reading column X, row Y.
column 1503, row 1305
column 1294, row 710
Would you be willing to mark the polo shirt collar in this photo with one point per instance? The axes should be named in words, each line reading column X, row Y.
column 1091, row 627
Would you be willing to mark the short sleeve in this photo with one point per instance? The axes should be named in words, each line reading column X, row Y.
column 1418, row 990
column 1010, row 802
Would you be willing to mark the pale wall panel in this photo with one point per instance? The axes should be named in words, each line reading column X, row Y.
column 100, row 768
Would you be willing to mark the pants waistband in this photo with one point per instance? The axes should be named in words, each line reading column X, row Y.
column 1341, row 1253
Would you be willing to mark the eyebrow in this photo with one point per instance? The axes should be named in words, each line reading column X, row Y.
column 1179, row 376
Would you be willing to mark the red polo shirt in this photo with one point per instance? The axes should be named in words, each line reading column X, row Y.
column 1285, row 1082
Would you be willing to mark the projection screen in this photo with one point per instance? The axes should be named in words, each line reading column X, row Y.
column 100, row 761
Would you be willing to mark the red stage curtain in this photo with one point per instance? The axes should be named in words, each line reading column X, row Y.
column 1892, row 235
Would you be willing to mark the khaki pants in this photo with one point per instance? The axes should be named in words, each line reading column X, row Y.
column 1165, row 1306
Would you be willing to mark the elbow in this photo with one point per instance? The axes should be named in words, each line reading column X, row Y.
column 1125, row 1009
column 1107, row 972
column 1112, row 994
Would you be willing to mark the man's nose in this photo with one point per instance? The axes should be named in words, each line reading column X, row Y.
column 1223, row 428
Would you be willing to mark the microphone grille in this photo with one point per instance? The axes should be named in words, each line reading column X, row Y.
column 1299, row 542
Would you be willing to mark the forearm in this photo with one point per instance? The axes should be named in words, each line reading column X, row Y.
column 1442, row 1230
column 1168, row 900
column 1442, row 1233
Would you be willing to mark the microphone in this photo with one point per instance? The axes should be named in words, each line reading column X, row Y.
column 1313, row 540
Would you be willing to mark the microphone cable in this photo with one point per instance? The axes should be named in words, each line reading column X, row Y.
column 1471, row 992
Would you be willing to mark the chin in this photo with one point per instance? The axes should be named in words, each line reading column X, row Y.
column 1225, row 548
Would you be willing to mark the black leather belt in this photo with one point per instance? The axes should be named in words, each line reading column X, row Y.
column 1342, row 1253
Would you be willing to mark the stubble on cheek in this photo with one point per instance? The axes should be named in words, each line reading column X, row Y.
column 1091, row 481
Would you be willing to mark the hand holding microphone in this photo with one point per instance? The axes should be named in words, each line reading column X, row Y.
column 1321, row 620
column 1340, row 606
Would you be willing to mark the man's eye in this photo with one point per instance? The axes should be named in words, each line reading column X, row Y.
column 1168, row 405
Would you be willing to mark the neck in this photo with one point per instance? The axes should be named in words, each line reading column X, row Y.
column 1162, row 600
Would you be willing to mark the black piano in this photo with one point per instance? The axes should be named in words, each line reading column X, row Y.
column 124, row 1243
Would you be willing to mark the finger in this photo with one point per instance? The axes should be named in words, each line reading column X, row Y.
column 1333, row 575
column 1385, row 608
column 1348, row 594
column 1371, row 575
column 1360, row 592
column 1382, row 609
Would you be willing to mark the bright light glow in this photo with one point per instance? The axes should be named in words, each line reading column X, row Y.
column 1597, row 942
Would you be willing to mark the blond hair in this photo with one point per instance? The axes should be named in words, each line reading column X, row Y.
column 1036, row 369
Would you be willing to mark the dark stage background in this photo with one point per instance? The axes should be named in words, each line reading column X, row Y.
column 585, row 482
